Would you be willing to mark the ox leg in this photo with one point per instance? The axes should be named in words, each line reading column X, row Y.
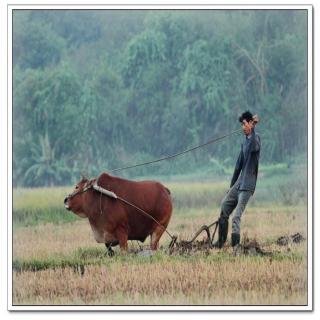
column 110, row 251
column 155, row 237
column 122, row 236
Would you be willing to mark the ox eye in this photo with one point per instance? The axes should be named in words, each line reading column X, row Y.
column 77, row 187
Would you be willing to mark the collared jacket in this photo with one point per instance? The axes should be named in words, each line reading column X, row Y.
column 246, row 168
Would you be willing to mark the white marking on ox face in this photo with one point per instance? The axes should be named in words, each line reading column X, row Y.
column 67, row 206
column 102, row 236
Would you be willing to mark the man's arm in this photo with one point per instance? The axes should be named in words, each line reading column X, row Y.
column 237, row 169
column 255, row 147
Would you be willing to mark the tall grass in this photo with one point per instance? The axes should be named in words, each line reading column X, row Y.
column 277, row 185
column 32, row 206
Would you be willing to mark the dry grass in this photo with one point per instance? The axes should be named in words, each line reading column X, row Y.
column 213, row 279
column 267, row 224
column 44, row 241
column 168, row 281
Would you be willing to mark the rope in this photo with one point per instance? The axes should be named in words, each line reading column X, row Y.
column 147, row 214
column 177, row 154
column 173, row 238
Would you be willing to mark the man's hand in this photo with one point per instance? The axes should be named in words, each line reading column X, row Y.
column 255, row 119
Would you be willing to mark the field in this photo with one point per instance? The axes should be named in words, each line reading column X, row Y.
column 57, row 262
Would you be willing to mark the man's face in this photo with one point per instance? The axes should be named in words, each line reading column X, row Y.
column 247, row 127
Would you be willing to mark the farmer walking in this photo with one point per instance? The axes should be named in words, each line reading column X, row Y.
column 243, row 182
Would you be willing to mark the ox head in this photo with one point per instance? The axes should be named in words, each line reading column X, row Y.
column 75, row 201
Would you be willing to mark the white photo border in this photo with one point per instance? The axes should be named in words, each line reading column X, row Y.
column 308, row 307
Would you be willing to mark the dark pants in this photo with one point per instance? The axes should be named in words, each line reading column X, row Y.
column 235, row 199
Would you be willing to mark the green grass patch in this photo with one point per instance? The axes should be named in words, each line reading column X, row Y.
column 78, row 259
column 34, row 216
column 40, row 198
column 33, row 206
column 38, row 265
column 83, row 257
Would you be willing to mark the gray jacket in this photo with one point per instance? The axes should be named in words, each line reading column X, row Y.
column 247, row 164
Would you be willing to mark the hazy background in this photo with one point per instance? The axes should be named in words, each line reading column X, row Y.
column 94, row 90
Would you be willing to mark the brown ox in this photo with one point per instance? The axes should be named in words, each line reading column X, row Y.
column 114, row 222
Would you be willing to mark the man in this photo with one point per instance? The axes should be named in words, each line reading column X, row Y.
column 243, row 182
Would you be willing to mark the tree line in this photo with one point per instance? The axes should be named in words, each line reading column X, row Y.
column 99, row 89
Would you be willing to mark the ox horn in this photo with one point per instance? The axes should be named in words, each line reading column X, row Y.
column 83, row 176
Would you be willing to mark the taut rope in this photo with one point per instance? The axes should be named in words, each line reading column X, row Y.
column 177, row 154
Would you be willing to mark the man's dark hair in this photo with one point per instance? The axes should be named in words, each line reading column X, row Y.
column 246, row 116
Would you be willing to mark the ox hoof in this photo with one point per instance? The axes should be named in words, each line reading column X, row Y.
column 110, row 252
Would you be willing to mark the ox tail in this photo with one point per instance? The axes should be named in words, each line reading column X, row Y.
column 169, row 192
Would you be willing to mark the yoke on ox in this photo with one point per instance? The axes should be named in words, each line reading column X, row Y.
column 114, row 222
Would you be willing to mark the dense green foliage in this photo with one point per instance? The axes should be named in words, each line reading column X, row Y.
column 94, row 90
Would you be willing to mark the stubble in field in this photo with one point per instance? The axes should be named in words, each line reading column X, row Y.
column 73, row 269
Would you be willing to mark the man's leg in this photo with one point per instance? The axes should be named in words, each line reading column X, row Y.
column 228, row 204
column 244, row 197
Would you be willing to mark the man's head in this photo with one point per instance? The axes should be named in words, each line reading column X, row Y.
column 247, row 122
